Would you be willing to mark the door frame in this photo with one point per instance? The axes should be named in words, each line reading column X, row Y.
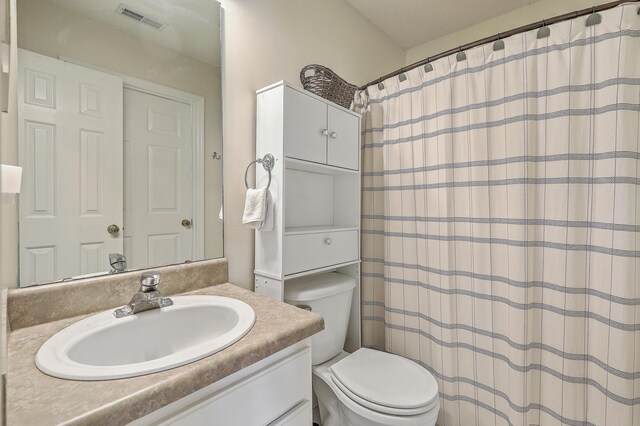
column 196, row 102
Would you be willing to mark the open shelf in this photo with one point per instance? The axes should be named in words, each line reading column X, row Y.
column 319, row 202
column 319, row 270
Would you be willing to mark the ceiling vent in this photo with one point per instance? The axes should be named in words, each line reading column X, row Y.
column 140, row 17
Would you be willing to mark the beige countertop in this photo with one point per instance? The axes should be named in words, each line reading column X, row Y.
column 34, row 398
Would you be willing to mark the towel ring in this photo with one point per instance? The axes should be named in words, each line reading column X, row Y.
column 267, row 162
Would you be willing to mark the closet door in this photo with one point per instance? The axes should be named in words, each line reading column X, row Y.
column 344, row 141
column 305, row 127
column 158, row 186
column 70, row 148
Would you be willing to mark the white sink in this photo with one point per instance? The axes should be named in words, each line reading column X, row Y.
column 102, row 347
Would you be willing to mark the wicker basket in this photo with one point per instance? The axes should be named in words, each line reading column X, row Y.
column 327, row 84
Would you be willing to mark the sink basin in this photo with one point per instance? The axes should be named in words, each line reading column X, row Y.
column 102, row 347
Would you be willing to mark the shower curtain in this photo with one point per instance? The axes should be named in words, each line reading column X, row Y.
column 501, row 224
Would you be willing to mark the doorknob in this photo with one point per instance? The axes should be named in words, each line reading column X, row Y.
column 325, row 132
column 113, row 229
column 334, row 135
column 186, row 223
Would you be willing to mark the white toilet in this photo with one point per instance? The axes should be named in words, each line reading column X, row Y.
column 367, row 387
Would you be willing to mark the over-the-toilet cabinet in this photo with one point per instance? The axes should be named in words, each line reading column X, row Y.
column 315, row 187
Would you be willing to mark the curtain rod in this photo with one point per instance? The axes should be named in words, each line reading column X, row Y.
column 499, row 36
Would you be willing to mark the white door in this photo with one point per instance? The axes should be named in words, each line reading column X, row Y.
column 70, row 145
column 343, row 148
column 158, row 181
column 305, row 127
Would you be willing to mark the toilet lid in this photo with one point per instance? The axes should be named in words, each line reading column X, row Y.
column 388, row 382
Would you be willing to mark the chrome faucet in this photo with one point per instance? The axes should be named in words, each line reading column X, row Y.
column 148, row 297
column 118, row 263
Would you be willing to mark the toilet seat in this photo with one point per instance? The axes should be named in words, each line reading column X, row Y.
column 385, row 383
column 380, row 408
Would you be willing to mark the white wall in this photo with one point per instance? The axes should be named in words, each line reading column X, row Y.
column 270, row 40
column 534, row 12
column 49, row 30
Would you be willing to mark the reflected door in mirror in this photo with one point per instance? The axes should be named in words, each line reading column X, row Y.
column 158, row 180
column 70, row 146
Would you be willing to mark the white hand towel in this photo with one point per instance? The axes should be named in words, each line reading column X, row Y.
column 255, row 208
column 269, row 218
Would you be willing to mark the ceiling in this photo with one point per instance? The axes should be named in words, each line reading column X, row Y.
column 412, row 22
column 193, row 25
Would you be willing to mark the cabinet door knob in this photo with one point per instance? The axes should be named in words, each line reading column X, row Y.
column 325, row 132
column 113, row 229
column 334, row 135
column 186, row 223
column 328, row 241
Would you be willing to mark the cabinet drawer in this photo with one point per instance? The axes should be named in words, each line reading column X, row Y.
column 304, row 252
column 300, row 415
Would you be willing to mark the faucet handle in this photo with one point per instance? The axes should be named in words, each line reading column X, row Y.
column 149, row 281
column 118, row 263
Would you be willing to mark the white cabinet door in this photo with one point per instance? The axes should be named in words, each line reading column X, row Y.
column 305, row 122
column 343, row 147
column 276, row 394
column 70, row 146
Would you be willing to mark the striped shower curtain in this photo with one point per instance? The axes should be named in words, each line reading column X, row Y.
column 501, row 224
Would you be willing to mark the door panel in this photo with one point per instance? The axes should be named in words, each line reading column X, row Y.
column 305, row 120
column 344, row 141
column 70, row 148
column 164, row 178
column 157, row 180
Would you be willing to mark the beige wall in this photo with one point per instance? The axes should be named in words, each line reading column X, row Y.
column 9, row 155
column 52, row 31
column 534, row 12
column 270, row 40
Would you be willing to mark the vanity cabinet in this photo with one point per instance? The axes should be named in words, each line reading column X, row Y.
column 315, row 188
column 274, row 391
column 319, row 132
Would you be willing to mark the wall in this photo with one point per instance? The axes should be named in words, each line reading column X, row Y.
column 534, row 12
column 61, row 33
column 8, row 211
column 270, row 40
column 9, row 155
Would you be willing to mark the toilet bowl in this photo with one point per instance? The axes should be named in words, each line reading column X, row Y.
column 367, row 387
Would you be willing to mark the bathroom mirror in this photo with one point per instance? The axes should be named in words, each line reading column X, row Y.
column 120, row 135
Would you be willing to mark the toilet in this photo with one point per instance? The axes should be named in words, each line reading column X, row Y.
column 367, row 387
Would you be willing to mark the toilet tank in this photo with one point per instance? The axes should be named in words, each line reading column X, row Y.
column 328, row 294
